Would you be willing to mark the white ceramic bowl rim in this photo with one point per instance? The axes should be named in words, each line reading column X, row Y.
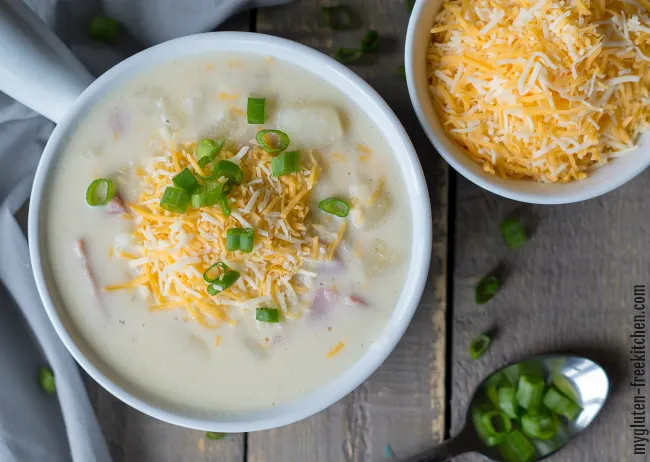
column 600, row 181
column 374, row 107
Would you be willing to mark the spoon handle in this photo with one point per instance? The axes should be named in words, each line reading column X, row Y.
column 457, row 445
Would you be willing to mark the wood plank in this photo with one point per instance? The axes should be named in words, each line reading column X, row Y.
column 136, row 437
column 403, row 403
column 569, row 290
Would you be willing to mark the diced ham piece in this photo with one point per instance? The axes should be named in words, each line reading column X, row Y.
column 323, row 302
column 354, row 300
column 116, row 206
column 79, row 248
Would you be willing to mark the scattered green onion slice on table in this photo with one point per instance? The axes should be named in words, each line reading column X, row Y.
column 95, row 196
column 517, row 448
column 255, row 110
column 265, row 139
column 513, row 233
column 348, row 55
column 267, row 315
column 479, row 346
column 214, row 272
column 207, row 195
column 285, row 163
column 340, row 17
column 230, row 170
column 225, row 281
column 215, row 436
column 560, row 404
column 209, row 148
column 530, row 391
column 240, row 239
column 486, row 289
column 185, row 180
column 507, row 401
column 46, row 380
column 370, row 41
column 541, row 427
column 497, row 426
column 335, row 206
column 175, row 200
column 104, row 29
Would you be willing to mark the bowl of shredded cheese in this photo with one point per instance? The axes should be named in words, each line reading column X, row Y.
column 543, row 102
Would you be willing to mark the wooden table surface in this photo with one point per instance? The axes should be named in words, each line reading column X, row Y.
column 569, row 289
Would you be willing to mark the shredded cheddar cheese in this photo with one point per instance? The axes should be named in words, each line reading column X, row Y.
column 542, row 90
column 171, row 251
column 335, row 350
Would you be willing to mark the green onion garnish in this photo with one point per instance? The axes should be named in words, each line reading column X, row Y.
column 479, row 346
column 207, row 195
column 485, row 289
column 497, row 426
column 209, row 148
column 267, row 315
column 335, row 207
column 541, row 427
column 348, row 55
column 186, row 180
column 215, row 436
column 240, row 239
column 231, row 171
column 338, row 17
column 221, row 284
column 517, row 448
column 507, row 401
column 285, row 163
column 513, row 233
column 213, row 273
column 530, row 392
column 94, row 195
column 255, row 110
column 370, row 41
column 265, row 139
column 560, row 404
column 175, row 200
column 46, row 380
column 103, row 29
column 213, row 173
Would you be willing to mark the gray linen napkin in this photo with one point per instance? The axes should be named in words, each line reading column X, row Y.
column 33, row 428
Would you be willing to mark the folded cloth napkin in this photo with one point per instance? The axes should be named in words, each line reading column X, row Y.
column 33, row 427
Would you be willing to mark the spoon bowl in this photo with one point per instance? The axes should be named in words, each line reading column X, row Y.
column 581, row 380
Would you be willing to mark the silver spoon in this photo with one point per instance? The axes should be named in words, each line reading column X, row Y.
column 587, row 379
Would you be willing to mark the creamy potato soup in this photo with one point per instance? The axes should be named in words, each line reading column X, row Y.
column 227, row 233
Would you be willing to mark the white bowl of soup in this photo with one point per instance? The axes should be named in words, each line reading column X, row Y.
column 219, row 262
column 619, row 160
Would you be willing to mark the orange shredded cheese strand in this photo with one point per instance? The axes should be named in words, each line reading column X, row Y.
column 339, row 346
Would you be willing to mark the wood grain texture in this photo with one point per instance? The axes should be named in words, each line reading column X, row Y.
column 403, row 403
column 568, row 290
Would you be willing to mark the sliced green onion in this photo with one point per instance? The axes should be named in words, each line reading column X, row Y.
column 215, row 436
column 285, row 163
column 175, row 200
column 348, row 55
column 230, row 170
column 225, row 205
column 221, row 284
column 541, row 427
column 402, row 72
column 46, row 380
column 564, row 386
column 517, row 448
column 186, row 180
column 560, row 404
column 213, row 173
column 507, row 401
column 265, row 139
column 94, row 195
column 340, row 17
column 267, row 315
column 209, row 148
column 207, row 195
column 479, row 346
column 530, row 392
column 255, row 110
column 335, row 206
column 240, row 239
column 370, row 41
column 104, row 29
column 485, row 289
column 492, row 386
column 213, row 273
column 497, row 426
column 513, row 233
